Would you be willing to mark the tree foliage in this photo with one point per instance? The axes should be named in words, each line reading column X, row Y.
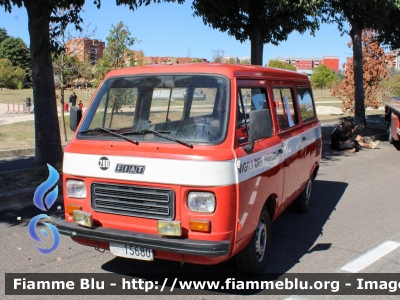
column 117, row 54
column 391, row 87
column 260, row 21
column 378, row 15
column 322, row 77
column 47, row 135
column 280, row 65
column 218, row 55
column 10, row 77
column 3, row 34
column 17, row 52
column 374, row 72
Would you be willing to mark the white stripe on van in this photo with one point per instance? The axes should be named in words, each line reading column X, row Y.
column 188, row 172
column 157, row 170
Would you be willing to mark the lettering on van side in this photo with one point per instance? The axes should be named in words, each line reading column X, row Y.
column 257, row 162
column 131, row 169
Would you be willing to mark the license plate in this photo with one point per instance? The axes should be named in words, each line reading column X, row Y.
column 129, row 251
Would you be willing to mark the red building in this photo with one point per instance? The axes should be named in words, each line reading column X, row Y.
column 332, row 62
column 307, row 64
column 86, row 49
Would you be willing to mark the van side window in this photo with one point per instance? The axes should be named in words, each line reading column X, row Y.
column 249, row 98
column 305, row 101
column 252, row 98
column 285, row 108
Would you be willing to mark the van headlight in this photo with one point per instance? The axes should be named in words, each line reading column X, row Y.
column 75, row 188
column 201, row 202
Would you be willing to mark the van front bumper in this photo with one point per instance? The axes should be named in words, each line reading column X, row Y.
column 151, row 241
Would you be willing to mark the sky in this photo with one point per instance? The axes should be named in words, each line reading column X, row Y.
column 170, row 29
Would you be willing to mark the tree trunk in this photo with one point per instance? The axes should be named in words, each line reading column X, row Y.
column 359, row 106
column 257, row 47
column 47, row 133
column 62, row 101
column 62, row 90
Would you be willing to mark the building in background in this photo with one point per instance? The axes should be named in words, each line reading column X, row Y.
column 151, row 60
column 86, row 49
column 306, row 65
column 394, row 59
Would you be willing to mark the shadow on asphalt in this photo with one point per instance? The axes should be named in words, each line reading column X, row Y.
column 293, row 236
column 16, row 163
column 27, row 212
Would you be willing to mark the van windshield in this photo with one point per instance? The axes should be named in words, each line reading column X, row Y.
column 191, row 108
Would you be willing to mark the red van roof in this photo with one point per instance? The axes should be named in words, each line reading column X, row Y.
column 229, row 70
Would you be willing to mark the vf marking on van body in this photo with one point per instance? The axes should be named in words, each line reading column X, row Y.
column 256, row 163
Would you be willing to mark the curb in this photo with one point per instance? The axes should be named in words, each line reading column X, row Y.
column 17, row 152
column 20, row 152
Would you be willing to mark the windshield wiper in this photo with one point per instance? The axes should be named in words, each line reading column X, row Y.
column 101, row 129
column 161, row 134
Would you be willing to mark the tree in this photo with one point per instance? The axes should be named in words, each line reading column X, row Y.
column 379, row 15
column 117, row 54
column 17, row 52
column 47, row 135
column 391, row 87
column 218, row 55
column 322, row 77
column 10, row 77
column 67, row 68
column 280, row 65
column 3, row 34
column 260, row 21
column 374, row 72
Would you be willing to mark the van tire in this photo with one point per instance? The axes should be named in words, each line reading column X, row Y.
column 253, row 258
column 302, row 202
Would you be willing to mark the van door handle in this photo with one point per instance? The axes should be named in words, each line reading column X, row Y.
column 304, row 138
column 280, row 151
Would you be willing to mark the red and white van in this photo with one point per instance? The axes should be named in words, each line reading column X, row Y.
column 190, row 163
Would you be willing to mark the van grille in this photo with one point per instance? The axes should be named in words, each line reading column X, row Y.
column 133, row 201
column 317, row 132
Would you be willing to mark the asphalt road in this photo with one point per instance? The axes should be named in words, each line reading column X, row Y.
column 354, row 211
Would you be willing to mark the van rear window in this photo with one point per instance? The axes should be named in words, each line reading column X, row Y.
column 305, row 101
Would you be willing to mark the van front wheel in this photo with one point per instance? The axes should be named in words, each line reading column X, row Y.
column 253, row 258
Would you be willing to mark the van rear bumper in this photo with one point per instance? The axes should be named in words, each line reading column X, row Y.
column 151, row 241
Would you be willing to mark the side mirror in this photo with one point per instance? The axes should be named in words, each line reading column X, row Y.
column 75, row 117
column 260, row 126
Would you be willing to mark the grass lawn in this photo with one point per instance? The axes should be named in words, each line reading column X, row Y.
column 22, row 135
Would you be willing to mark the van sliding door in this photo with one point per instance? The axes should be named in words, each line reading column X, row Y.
column 291, row 133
